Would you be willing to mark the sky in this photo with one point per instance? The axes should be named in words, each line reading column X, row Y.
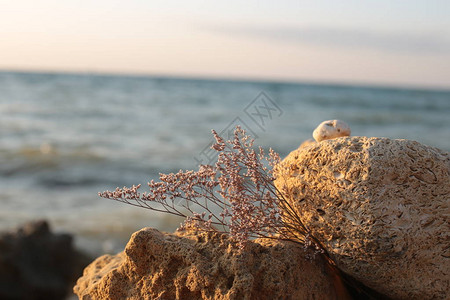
column 383, row 42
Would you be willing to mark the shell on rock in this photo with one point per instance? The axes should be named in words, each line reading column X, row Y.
column 331, row 129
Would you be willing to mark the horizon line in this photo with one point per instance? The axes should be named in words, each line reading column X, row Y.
column 232, row 78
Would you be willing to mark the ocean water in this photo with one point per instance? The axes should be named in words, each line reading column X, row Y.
column 65, row 137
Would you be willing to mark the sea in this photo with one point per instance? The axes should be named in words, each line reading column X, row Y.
column 66, row 137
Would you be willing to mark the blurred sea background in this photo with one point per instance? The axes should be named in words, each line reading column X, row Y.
column 66, row 137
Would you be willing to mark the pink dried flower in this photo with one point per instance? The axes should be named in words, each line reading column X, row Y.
column 236, row 195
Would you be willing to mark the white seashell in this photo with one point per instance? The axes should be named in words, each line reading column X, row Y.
column 331, row 129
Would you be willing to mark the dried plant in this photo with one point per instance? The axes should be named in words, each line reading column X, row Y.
column 235, row 196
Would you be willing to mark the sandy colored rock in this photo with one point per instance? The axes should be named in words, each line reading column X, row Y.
column 381, row 209
column 189, row 265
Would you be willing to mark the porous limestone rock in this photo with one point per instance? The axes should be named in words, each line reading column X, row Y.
column 189, row 265
column 381, row 209
column 331, row 129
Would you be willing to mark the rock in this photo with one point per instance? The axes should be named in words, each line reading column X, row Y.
column 381, row 209
column 37, row 264
column 196, row 265
column 331, row 129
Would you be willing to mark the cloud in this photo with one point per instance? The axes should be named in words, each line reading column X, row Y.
column 403, row 42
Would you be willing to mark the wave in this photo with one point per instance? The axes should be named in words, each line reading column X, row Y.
column 45, row 157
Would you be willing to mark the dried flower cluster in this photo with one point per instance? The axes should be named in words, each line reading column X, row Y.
column 236, row 195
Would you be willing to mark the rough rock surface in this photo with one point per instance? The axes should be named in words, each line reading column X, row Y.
column 37, row 264
column 189, row 265
column 381, row 209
